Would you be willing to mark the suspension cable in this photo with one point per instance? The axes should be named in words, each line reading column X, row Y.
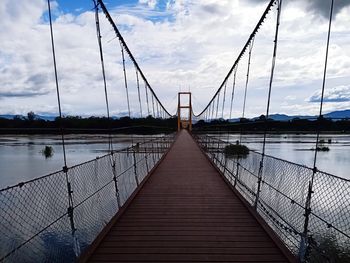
column 241, row 54
column 304, row 244
column 279, row 7
column 323, row 82
column 233, row 89
column 217, row 106
column 127, row 50
column 232, row 97
column 223, row 102
column 57, row 86
column 138, row 91
column 65, row 168
column 125, row 80
column 247, row 77
column 153, row 106
column 98, row 31
column 146, row 89
column 157, row 104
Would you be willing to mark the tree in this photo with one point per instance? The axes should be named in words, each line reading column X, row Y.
column 31, row 116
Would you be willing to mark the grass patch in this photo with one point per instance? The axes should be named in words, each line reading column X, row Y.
column 236, row 151
column 323, row 149
column 47, row 151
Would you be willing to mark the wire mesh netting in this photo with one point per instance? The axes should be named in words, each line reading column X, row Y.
column 282, row 199
column 38, row 223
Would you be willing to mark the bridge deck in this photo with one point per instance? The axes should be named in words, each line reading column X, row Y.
column 185, row 212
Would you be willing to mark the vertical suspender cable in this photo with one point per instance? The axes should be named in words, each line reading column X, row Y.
column 233, row 89
column 213, row 109
column 110, row 142
column 323, row 82
column 248, row 43
column 146, row 89
column 127, row 50
column 304, row 244
column 65, row 168
column 57, row 86
column 98, row 31
column 232, row 97
column 153, row 106
column 125, row 80
column 247, row 78
column 251, row 44
column 157, row 104
column 223, row 102
column 217, row 105
column 279, row 6
column 138, row 91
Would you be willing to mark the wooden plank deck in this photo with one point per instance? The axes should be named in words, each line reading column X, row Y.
column 185, row 212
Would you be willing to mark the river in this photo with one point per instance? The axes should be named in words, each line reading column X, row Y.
column 21, row 157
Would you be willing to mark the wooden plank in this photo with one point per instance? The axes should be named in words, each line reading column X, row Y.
column 190, row 250
column 185, row 212
column 158, row 257
column 187, row 244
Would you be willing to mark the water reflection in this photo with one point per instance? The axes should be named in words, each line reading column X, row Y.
column 21, row 158
column 296, row 148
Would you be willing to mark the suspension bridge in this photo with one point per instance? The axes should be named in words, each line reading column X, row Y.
column 179, row 197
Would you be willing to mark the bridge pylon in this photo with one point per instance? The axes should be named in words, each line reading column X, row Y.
column 184, row 111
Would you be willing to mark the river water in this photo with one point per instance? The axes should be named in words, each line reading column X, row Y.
column 21, row 157
column 298, row 149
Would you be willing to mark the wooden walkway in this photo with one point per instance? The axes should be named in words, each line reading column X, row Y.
column 186, row 212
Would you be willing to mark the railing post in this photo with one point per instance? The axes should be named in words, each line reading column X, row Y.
column 146, row 158
column 153, row 152
column 218, row 144
column 158, row 153
column 97, row 182
column 212, row 150
column 225, row 163
column 70, row 212
column 304, row 241
column 261, row 166
column 237, row 174
column 114, row 171
column 135, row 168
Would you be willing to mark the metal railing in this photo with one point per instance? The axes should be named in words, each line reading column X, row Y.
column 39, row 222
column 282, row 199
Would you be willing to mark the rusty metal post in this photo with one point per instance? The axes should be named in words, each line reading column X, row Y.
column 178, row 113
column 114, row 171
column 135, row 168
column 237, row 174
column 187, row 123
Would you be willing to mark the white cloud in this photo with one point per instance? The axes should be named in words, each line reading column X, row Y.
column 191, row 44
column 150, row 3
column 336, row 94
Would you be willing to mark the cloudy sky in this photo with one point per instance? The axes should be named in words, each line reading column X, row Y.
column 180, row 45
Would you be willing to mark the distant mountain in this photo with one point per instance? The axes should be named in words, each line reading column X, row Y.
column 343, row 114
column 8, row 116
column 284, row 117
column 37, row 117
column 46, row 118
column 281, row 117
